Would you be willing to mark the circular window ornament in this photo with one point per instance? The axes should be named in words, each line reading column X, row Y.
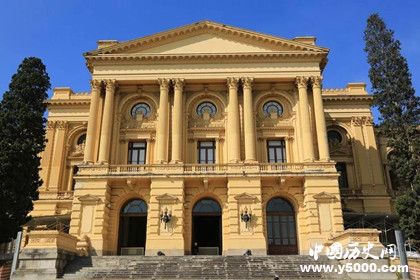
column 82, row 139
column 140, row 109
column 334, row 136
column 206, row 108
column 272, row 109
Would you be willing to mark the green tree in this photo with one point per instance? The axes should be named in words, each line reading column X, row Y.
column 399, row 110
column 22, row 139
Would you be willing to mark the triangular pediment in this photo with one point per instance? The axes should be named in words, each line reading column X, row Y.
column 206, row 37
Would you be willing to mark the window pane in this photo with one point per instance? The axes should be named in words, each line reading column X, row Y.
column 210, row 155
column 135, row 157
column 206, row 144
column 203, row 155
column 279, row 155
column 271, row 157
column 139, row 145
column 274, row 143
column 142, row 157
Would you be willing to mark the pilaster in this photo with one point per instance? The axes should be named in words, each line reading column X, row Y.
column 58, row 158
column 47, row 155
column 244, row 194
column 322, row 209
column 168, row 238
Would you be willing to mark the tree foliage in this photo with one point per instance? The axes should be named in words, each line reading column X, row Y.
column 22, row 139
column 398, row 105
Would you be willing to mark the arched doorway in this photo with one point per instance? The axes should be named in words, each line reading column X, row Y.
column 132, row 232
column 281, row 227
column 207, row 228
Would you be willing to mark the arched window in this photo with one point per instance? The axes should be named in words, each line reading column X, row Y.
column 207, row 205
column 82, row 139
column 206, row 107
column 135, row 207
column 140, row 109
column 272, row 107
column 279, row 205
column 334, row 136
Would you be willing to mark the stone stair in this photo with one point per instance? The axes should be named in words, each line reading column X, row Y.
column 195, row 267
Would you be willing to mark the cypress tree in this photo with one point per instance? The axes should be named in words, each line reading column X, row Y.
column 398, row 105
column 22, row 139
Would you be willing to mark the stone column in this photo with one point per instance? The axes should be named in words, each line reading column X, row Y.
column 308, row 146
column 233, row 135
column 249, row 121
column 107, row 122
column 91, row 126
column 177, row 121
column 162, row 125
column 321, row 129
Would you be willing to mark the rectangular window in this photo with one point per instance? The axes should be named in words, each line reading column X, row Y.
column 342, row 180
column 137, row 152
column 276, row 151
column 206, row 152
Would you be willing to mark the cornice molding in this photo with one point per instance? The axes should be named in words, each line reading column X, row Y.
column 201, row 58
column 68, row 103
column 346, row 97
column 208, row 27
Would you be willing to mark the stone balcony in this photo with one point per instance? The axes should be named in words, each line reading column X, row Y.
column 205, row 170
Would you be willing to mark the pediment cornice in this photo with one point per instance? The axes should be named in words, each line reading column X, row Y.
column 206, row 27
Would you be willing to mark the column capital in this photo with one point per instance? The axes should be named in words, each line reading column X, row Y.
column 232, row 82
column 301, row 81
column 61, row 125
column 247, row 82
column 178, row 83
column 164, row 83
column 316, row 81
column 110, row 85
column 95, row 84
column 51, row 124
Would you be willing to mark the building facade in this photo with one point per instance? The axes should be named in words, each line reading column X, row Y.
column 209, row 139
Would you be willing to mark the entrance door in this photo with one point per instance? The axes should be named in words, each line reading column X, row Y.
column 207, row 228
column 281, row 228
column 133, row 222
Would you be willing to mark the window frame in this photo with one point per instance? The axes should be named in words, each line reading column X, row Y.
column 131, row 149
column 282, row 147
column 207, row 149
column 343, row 180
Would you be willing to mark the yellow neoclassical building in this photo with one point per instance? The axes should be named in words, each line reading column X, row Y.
column 209, row 139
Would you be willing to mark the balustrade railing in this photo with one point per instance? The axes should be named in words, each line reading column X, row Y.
column 191, row 169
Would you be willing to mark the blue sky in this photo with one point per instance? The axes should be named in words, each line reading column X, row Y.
column 60, row 31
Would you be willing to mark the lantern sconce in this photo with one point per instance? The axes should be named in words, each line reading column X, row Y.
column 246, row 217
column 166, row 217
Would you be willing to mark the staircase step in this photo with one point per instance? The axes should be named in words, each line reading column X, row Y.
column 195, row 267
